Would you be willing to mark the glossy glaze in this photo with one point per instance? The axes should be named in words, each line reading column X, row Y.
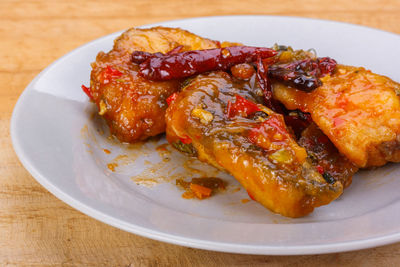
column 134, row 107
column 267, row 162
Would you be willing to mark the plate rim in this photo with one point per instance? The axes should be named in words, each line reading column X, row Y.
column 170, row 238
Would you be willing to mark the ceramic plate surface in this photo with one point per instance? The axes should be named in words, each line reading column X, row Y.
column 67, row 149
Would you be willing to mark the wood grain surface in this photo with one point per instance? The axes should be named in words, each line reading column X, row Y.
column 37, row 229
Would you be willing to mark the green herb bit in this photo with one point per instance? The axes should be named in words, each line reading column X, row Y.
column 185, row 148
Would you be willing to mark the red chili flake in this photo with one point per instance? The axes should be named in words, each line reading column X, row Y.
column 87, row 91
column 171, row 98
column 109, row 73
column 229, row 108
column 251, row 196
column 185, row 140
column 320, row 169
column 241, row 106
column 338, row 121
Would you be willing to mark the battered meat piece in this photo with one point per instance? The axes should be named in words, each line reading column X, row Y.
column 358, row 110
column 214, row 119
column 134, row 107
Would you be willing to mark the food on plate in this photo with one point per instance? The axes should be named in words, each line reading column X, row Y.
column 291, row 127
column 201, row 188
column 325, row 156
column 358, row 110
column 133, row 106
column 218, row 118
column 160, row 67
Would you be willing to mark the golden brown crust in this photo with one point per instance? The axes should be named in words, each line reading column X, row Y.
column 134, row 107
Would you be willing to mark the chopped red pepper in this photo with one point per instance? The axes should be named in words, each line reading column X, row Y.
column 273, row 128
column 242, row 106
column 272, row 134
column 320, row 169
column 109, row 73
column 265, row 85
column 171, row 98
column 87, row 91
column 185, row 140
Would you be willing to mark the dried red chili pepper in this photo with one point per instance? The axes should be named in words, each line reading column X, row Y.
column 141, row 56
column 303, row 74
column 326, row 65
column 265, row 86
column 188, row 63
column 241, row 106
column 175, row 50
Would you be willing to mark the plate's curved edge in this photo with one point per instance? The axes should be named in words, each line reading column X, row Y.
column 160, row 236
column 202, row 244
column 271, row 16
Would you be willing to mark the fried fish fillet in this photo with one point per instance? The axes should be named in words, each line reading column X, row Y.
column 257, row 149
column 358, row 110
column 134, row 107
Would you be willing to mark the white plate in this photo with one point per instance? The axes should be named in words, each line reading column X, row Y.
column 61, row 145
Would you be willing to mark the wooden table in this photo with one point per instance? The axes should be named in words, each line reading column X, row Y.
column 38, row 229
